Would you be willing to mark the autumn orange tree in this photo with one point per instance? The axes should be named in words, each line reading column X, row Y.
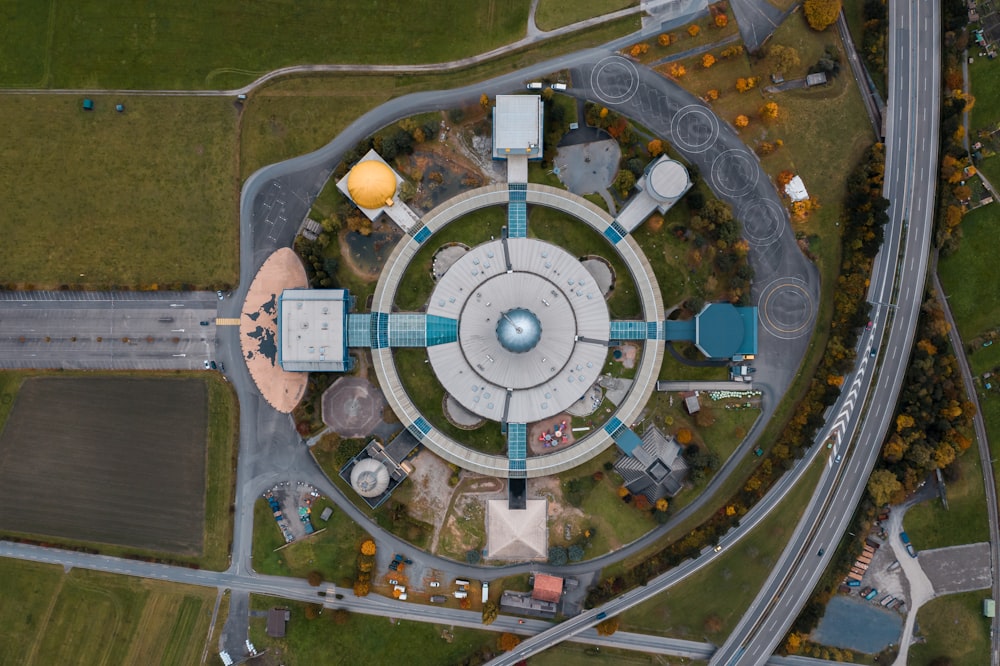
column 721, row 21
column 638, row 49
column 677, row 70
column 707, row 60
column 508, row 642
column 693, row 30
column 769, row 111
column 684, row 436
column 664, row 39
column 484, row 101
column 741, row 121
column 712, row 95
column 655, row 148
column 368, row 547
column 821, row 14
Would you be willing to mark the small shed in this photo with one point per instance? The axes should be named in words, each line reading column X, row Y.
column 88, row 104
column 277, row 618
column 816, row 79
column 327, row 512
column 691, row 404
column 989, row 608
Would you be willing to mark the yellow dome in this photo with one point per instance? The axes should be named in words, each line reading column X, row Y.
column 371, row 184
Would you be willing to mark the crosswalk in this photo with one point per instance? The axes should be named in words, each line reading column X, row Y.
column 227, row 321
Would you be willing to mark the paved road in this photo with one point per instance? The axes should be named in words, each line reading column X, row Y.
column 118, row 330
column 897, row 291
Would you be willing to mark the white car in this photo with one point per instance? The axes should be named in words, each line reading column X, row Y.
column 434, row 583
column 207, row 366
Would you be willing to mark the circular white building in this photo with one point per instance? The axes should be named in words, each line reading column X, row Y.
column 532, row 332
column 369, row 478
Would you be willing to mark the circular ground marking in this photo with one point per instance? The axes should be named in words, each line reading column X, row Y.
column 614, row 80
column 763, row 221
column 735, row 172
column 786, row 308
column 694, row 129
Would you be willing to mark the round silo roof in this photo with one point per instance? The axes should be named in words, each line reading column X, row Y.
column 369, row 478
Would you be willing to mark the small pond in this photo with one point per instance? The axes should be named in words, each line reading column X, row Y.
column 368, row 253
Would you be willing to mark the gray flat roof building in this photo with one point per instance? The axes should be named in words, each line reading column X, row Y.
column 517, row 126
column 312, row 325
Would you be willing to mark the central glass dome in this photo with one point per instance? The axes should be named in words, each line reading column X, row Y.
column 519, row 330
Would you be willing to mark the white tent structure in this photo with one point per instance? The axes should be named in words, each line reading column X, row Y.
column 518, row 534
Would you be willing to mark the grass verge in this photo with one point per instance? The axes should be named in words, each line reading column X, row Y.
column 552, row 14
column 356, row 638
column 953, row 626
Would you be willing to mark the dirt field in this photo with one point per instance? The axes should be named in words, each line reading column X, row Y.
column 109, row 460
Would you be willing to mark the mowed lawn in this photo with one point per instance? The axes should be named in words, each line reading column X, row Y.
column 931, row 526
column 88, row 617
column 111, row 461
column 954, row 627
column 971, row 277
column 218, row 44
column 146, row 198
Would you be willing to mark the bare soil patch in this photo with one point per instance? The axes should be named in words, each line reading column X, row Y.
column 118, row 461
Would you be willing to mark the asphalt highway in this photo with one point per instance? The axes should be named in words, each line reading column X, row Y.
column 897, row 291
column 118, row 330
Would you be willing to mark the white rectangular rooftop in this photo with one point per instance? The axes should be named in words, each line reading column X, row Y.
column 517, row 126
column 311, row 330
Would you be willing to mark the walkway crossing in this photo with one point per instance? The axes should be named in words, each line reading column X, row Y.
column 227, row 321
column 517, row 450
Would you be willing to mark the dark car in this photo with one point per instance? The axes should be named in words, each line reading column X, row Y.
column 203, row 323
column 821, row 551
column 873, row 352
column 214, row 366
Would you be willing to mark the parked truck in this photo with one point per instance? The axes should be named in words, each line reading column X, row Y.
column 486, row 591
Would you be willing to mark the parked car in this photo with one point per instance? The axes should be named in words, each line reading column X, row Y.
column 203, row 323
column 434, row 583
column 207, row 366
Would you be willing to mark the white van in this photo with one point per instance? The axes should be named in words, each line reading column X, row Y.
column 559, row 86
column 535, row 85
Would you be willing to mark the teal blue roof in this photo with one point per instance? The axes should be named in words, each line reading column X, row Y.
column 721, row 330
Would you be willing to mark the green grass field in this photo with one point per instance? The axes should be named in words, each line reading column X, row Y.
column 970, row 277
column 87, row 617
column 332, row 552
column 930, row 526
column 159, row 44
column 725, row 589
column 985, row 82
column 557, row 13
column 954, row 627
column 96, row 199
column 363, row 638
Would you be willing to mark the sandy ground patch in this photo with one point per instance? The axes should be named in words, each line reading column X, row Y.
column 259, row 326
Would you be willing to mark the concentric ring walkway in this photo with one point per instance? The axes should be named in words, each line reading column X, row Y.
column 649, row 364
